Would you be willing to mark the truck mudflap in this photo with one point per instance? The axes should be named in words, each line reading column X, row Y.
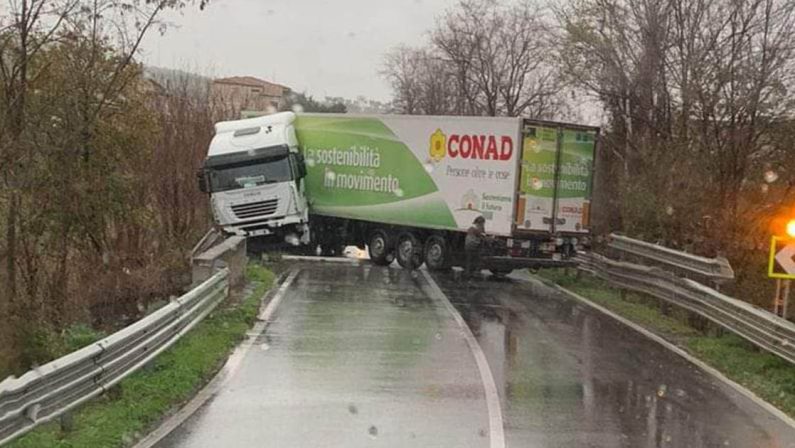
column 509, row 263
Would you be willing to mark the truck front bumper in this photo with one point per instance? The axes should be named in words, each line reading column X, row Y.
column 268, row 226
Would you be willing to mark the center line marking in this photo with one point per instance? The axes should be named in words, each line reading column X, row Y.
column 496, row 431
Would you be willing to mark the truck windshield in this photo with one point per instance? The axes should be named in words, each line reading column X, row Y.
column 250, row 174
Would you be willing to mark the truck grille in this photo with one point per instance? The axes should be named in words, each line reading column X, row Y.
column 254, row 209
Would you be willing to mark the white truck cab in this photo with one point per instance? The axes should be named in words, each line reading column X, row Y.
column 254, row 175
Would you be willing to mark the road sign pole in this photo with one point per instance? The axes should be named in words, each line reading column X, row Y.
column 786, row 299
column 777, row 297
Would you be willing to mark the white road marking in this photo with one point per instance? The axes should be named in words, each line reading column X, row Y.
column 670, row 346
column 267, row 314
column 222, row 377
column 496, row 430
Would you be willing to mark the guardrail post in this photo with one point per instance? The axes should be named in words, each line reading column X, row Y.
column 67, row 422
column 115, row 392
column 665, row 308
column 698, row 322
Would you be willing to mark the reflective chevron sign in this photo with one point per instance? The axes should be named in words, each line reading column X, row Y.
column 782, row 258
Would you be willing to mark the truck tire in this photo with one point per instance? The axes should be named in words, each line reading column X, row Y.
column 437, row 255
column 408, row 251
column 332, row 250
column 380, row 249
column 500, row 273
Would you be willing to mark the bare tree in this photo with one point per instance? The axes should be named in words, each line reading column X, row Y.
column 72, row 143
column 502, row 57
column 422, row 81
column 468, row 37
column 696, row 94
column 24, row 32
column 485, row 57
column 531, row 83
column 401, row 69
column 29, row 30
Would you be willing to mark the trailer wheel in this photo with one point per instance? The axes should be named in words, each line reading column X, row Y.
column 500, row 273
column 309, row 250
column 409, row 251
column 331, row 250
column 378, row 248
column 437, row 256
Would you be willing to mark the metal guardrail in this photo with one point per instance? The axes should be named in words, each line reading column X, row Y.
column 761, row 328
column 716, row 270
column 44, row 393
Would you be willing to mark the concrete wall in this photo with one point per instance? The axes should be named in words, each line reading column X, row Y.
column 230, row 253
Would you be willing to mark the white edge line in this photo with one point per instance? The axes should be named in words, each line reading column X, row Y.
column 690, row 358
column 267, row 314
column 229, row 369
column 496, row 431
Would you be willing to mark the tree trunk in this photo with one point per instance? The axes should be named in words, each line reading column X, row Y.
column 11, row 248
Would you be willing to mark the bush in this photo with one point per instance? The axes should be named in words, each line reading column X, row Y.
column 80, row 335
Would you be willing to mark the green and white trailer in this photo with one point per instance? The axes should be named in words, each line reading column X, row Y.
column 405, row 187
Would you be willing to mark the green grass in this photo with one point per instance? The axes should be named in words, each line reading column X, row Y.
column 144, row 398
column 767, row 375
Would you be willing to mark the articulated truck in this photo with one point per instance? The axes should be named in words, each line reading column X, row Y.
column 405, row 187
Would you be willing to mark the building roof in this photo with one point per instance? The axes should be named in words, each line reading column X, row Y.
column 268, row 88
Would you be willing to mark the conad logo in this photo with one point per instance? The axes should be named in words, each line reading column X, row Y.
column 482, row 147
column 438, row 142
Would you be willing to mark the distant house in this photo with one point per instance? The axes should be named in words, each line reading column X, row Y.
column 249, row 93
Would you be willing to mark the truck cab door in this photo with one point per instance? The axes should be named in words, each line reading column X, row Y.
column 302, row 204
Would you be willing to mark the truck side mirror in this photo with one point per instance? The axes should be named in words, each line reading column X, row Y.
column 202, row 181
column 301, row 165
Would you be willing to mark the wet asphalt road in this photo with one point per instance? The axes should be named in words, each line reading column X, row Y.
column 569, row 376
column 365, row 356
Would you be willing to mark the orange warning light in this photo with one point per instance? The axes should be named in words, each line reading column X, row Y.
column 791, row 228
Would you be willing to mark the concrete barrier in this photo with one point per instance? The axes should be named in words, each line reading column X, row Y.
column 210, row 239
column 230, row 253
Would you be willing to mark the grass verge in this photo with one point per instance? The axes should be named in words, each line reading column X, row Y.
column 145, row 397
column 767, row 375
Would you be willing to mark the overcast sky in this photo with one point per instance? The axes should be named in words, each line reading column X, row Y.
column 330, row 48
